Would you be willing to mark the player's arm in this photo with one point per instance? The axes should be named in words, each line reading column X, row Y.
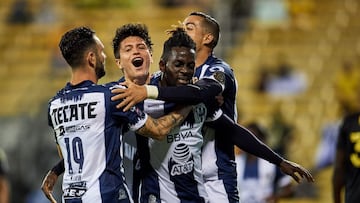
column 247, row 141
column 159, row 128
column 338, row 179
column 51, row 177
column 201, row 91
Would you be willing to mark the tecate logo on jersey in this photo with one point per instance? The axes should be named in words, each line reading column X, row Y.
column 73, row 112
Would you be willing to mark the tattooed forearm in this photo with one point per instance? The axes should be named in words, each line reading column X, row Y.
column 159, row 128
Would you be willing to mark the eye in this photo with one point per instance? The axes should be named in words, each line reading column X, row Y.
column 142, row 46
column 127, row 48
column 189, row 27
column 178, row 64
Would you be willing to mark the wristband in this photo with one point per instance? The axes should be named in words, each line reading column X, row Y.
column 152, row 91
column 59, row 168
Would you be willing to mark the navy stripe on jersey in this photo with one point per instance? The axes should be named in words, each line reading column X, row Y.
column 223, row 157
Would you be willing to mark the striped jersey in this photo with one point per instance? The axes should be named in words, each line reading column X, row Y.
column 88, row 129
column 174, row 169
column 219, row 167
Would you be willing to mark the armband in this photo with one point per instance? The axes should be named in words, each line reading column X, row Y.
column 59, row 168
column 152, row 91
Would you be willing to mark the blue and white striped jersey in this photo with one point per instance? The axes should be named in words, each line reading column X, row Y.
column 174, row 171
column 219, row 167
column 88, row 128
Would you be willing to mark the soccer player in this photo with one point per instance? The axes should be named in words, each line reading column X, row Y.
column 172, row 167
column 88, row 128
column 346, row 174
column 132, row 49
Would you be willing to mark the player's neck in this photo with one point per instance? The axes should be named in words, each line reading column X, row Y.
column 80, row 75
column 139, row 80
column 201, row 56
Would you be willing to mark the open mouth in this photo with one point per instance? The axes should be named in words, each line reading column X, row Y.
column 184, row 80
column 137, row 62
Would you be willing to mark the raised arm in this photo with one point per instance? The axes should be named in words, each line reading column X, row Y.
column 160, row 128
column 247, row 141
column 202, row 90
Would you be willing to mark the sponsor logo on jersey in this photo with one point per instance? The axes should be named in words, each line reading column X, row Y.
column 179, row 136
column 181, row 161
column 75, row 190
column 77, row 128
column 73, row 112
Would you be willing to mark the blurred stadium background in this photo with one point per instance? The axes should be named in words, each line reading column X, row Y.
column 316, row 36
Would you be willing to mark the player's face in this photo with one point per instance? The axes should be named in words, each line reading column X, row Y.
column 135, row 59
column 100, row 59
column 179, row 68
column 194, row 29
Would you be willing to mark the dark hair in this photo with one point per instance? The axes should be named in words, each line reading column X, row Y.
column 74, row 43
column 127, row 30
column 178, row 38
column 211, row 25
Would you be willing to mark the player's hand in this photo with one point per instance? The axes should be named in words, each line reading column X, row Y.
column 295, row 171
column 130, row 96
column 47, row 185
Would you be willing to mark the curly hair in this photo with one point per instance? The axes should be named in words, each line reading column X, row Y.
column 127, row 30
column 74, row 43
column 178, row 38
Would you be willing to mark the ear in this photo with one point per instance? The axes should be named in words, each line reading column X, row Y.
column 91, row 59
column 162, row 65
column 208, row 38
column 118, row 63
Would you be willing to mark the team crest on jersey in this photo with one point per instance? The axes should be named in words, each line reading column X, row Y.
column 219, row 76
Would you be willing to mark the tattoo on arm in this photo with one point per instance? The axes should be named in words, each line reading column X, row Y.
column 159, row 128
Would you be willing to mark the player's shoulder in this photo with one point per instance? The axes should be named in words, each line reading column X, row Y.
column 112, row 85
column 220, row 62
column 216, row 64
column 155, row 77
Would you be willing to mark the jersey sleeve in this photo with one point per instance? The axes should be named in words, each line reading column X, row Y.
column 201, row 91
column 135, row 118
column 244, row 139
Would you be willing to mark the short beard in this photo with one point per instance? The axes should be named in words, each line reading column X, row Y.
column 100, row 70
